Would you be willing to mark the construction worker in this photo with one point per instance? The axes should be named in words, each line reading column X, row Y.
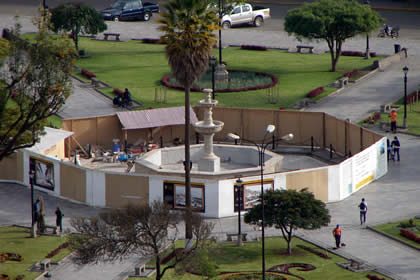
column 393, row 117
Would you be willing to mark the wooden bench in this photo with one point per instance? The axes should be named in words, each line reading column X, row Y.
column 230, row 235
column 95, row 82
column 300, row 47
column 44, row 264
column 116, row 35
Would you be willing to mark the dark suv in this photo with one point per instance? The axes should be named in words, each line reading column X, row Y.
column 130, row 10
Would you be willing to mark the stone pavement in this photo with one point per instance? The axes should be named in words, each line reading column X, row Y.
column 393, row 197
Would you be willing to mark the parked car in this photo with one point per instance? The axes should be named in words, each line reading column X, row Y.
column 130, row 10
column 245, row 14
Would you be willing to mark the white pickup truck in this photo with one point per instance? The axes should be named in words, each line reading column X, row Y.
column 244, row 14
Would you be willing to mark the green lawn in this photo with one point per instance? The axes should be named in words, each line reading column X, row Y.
column 17, row 240
column 394, row 230
column 140, row 68
column 413, row 116
column 231, row 258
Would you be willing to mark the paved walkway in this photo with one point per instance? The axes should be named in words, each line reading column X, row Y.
column 393, row 197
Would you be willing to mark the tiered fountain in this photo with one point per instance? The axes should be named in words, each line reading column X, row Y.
column 208, row 127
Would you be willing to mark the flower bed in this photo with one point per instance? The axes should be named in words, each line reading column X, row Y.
column 351, row 74
column 374, row 118
column 56, row 251
column 253, row 48
column 315, row 92
column 410, row 235
column 374, row 277
column 87, row 74
column 117, row 91
column 274, row 81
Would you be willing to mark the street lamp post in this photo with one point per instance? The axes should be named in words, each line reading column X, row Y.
column 367, row 56
column 261, row 151
column 213, row 64
column 220, row 32
column 238, row 189
column 32, row 181
column 405, row 70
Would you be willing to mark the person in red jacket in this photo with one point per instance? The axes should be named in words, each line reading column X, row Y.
column 337, row 235
column 393, row 117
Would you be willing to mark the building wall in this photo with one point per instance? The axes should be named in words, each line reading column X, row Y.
column 123, row 189
column 315, row 180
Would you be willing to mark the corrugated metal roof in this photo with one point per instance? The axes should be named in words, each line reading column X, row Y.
column 50, row 139
column 155, row 117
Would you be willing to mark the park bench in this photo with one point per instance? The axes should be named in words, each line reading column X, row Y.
column 230, row 235
column 343, row 81
column 385, row 108
column 44, row 264
column 116, row 35
column 95, row 82
column 355, row 264
column 139, row 270
column 54, row 228
column 300, row 47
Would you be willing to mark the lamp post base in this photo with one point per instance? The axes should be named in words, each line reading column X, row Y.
column 221, row 73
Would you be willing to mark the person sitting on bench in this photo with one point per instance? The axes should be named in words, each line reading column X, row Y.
column 117, row 100
column 126, row 98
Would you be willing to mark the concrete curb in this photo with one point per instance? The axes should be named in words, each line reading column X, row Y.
column 393, row 238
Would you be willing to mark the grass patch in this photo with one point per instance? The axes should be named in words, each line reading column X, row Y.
column 17, row 240
column 231, row 258
column 140, row 67
column 393, row 229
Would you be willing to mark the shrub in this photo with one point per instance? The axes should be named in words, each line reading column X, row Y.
column 315, row 92
column 253, row 48
column 410, row 235
column 374, row 277
column 151, row 41
column 87, row 74
column 351, row 74
column 117, row 91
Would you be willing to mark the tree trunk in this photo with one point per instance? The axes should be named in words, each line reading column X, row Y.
column 157, row 264
column 188, row 225
column 289, row 243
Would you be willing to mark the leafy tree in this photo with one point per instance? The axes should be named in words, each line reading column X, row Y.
column 188, row 26
column 332, row 20
column 77, row 18
column 146, row 230
column 36, row 83
column 289, row 210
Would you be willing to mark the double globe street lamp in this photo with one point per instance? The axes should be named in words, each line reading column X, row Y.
column 261, row 151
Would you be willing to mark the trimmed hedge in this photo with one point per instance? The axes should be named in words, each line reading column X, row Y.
column 410, row 235
column 253, row 48
column 351, row 74
column 56, row 251
column 357, row 53
column 152, row 41
column 315, row 92
column 117, row 91
column 87, row 74
column 166, row 83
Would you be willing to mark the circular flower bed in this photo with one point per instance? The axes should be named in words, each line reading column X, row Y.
column 238, row 81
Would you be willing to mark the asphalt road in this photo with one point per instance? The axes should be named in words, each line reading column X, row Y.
column 408, row 21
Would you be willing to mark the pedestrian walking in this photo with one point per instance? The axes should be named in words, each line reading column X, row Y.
column 395, row 144
column 59, row 218
column 36, row 211
column 393, row 117
column 337, row 235
column 363, row 210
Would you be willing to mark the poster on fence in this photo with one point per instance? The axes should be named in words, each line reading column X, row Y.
column 44, row 173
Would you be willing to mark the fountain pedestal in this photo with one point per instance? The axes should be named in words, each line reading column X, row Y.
column 207, row 127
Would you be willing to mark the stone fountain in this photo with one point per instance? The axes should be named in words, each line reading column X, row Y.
column 208, row 127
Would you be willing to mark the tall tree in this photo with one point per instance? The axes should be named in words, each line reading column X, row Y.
column 36, row 76
column 332, row 20
column 289, row 210
column 146, row 230
column 188, row 26
column 77, row 18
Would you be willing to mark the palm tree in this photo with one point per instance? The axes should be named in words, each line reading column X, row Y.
column 188, row 26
